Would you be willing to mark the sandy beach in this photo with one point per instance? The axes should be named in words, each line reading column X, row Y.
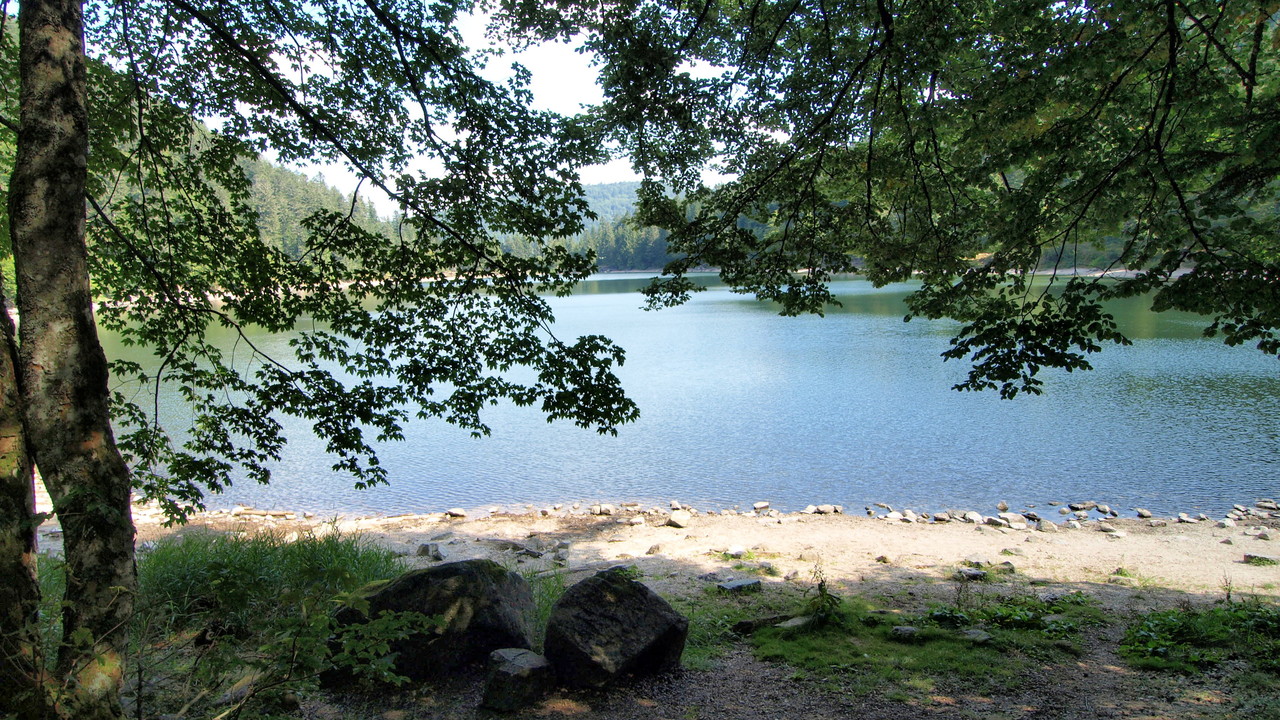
column 1198, row 558
column 1129, row 565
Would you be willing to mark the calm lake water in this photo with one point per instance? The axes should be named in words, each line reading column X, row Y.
column 739, row 405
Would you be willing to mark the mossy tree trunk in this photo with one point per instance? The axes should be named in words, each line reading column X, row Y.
column 20, row 659
column 62, row 371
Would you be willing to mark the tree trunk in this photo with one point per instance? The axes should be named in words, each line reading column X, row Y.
column 20, row 659
column 62, row 369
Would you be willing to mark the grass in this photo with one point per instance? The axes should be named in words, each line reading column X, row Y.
column 861, row 651
column 712, row 616
column 213, row 610
column 857, row 651
column 547, row 589
column 53, row 583
column 242, row 579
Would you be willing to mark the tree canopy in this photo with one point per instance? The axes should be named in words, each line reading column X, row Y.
column 962, row 144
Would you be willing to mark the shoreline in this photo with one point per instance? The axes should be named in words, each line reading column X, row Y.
column 679, row 550
column 681, row 554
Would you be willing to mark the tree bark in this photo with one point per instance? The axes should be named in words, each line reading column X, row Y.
column 21, row 663
column 62, row 368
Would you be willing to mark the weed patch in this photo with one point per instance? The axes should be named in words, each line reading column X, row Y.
column 1192, row 639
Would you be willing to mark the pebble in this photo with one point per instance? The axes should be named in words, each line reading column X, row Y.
column 1143, row 513
column 680, row 518
column 432, row 551
column 904, row 633
column 795, row 622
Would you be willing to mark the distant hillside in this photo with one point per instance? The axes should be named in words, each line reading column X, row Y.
column 617, row 243
column 611, row 200
column 282, row 198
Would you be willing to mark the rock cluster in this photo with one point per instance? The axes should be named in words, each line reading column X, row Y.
column 1072, row 515
column 604, row 627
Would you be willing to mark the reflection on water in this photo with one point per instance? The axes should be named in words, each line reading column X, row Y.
column 740, row 405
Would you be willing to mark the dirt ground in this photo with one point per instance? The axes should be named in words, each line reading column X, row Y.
column 890, row 562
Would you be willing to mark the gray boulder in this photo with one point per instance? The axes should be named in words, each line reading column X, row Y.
column 516, row 678
column 482, row 607
column 609, row 626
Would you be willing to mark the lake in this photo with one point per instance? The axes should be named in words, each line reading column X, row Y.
column 739, row 405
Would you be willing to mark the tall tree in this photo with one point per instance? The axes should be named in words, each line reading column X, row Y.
column 61, row 372
column 428, row 321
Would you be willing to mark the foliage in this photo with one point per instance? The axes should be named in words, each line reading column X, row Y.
column 426, row 317
column 964, row 144
column 1191, row 639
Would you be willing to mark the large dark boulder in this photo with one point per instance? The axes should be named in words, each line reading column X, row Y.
column 608, row 626
column 482, row 607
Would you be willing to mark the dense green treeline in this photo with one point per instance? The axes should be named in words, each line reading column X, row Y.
column 282, row 198
column 615, row 238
